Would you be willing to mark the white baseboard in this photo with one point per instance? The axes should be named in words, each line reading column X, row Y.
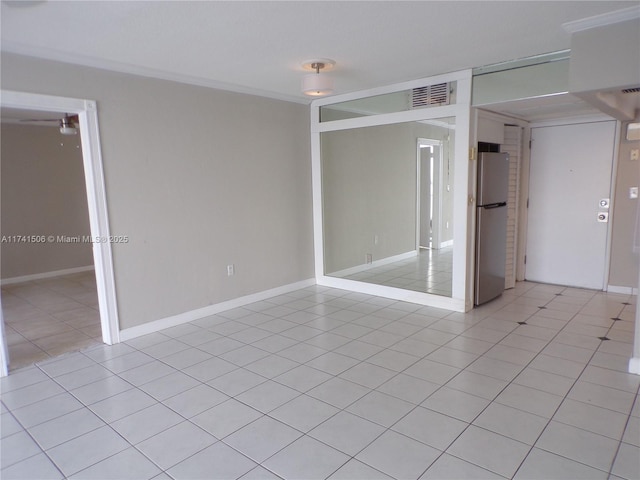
column 448, row 243
column 634, row 365
column 40, row 276
column 623, row 290
column 377, row 263
column 157, row 325
column 421, row 298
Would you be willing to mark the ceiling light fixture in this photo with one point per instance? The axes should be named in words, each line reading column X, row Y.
column 314, row 84
column 67, row 127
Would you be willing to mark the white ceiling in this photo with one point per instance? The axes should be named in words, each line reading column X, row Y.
column 538, row 109
column 258, row 47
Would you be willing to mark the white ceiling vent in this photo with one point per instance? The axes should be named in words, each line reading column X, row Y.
column 430, row 96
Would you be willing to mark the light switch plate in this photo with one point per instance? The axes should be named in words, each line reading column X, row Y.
column 633, row 192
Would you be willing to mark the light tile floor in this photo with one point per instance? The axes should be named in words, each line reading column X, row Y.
column 429, row 272
column 325, row 383
column 49, row 317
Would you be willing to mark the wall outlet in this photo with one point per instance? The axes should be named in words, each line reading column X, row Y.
column 368, row 258
column 231, row 270
column 633, row 192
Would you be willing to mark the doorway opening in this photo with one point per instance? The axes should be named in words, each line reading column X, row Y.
column 429, row 222
column 49, row 294
column 104, row 299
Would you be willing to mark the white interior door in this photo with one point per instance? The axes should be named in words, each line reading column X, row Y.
column 570, row 173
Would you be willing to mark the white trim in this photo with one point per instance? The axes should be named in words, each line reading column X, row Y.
column 523, row 213
column 500, row 102
column 622, row 290
column 463, row 212
column 96, row 195
column 448, row 243
column 43, row 275
column 103, row 64
column 387, row 119
column 603, row 19
column 612, row 200
column 316, row 190
column 411, row 296
column 522, row 62
column 418, row 193
column 191, row 315
column 377, row 263
column 634, row 365
column 472, row 190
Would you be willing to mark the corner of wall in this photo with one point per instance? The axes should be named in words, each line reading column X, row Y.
column 634, row 365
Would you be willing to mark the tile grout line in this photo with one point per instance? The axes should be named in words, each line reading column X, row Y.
column 635, row 400
column 510, row 382
column 563, row 400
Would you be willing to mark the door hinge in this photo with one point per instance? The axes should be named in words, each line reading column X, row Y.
column 525, row 259
column 472, row 154
column 527, row 203
column 530, row 144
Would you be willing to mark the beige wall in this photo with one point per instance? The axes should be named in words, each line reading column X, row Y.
column 624, row 263
column 198, row 179
column 43, row 194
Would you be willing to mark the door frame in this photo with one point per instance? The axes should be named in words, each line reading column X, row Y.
column 439, row 181
column 612, row 184
column 96, row 197
column 4, row 350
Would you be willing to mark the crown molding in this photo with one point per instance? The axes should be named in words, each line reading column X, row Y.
column 112, row 66
column 608, row 18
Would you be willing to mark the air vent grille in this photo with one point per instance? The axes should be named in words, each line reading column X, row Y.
column 429, row 96
column 631, row 90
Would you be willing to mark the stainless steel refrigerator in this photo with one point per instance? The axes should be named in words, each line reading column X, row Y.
column 491, row 225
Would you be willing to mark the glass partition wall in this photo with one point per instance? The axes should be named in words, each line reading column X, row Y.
column 391, row 179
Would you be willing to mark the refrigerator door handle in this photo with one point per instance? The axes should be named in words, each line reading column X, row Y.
column 494, row 205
